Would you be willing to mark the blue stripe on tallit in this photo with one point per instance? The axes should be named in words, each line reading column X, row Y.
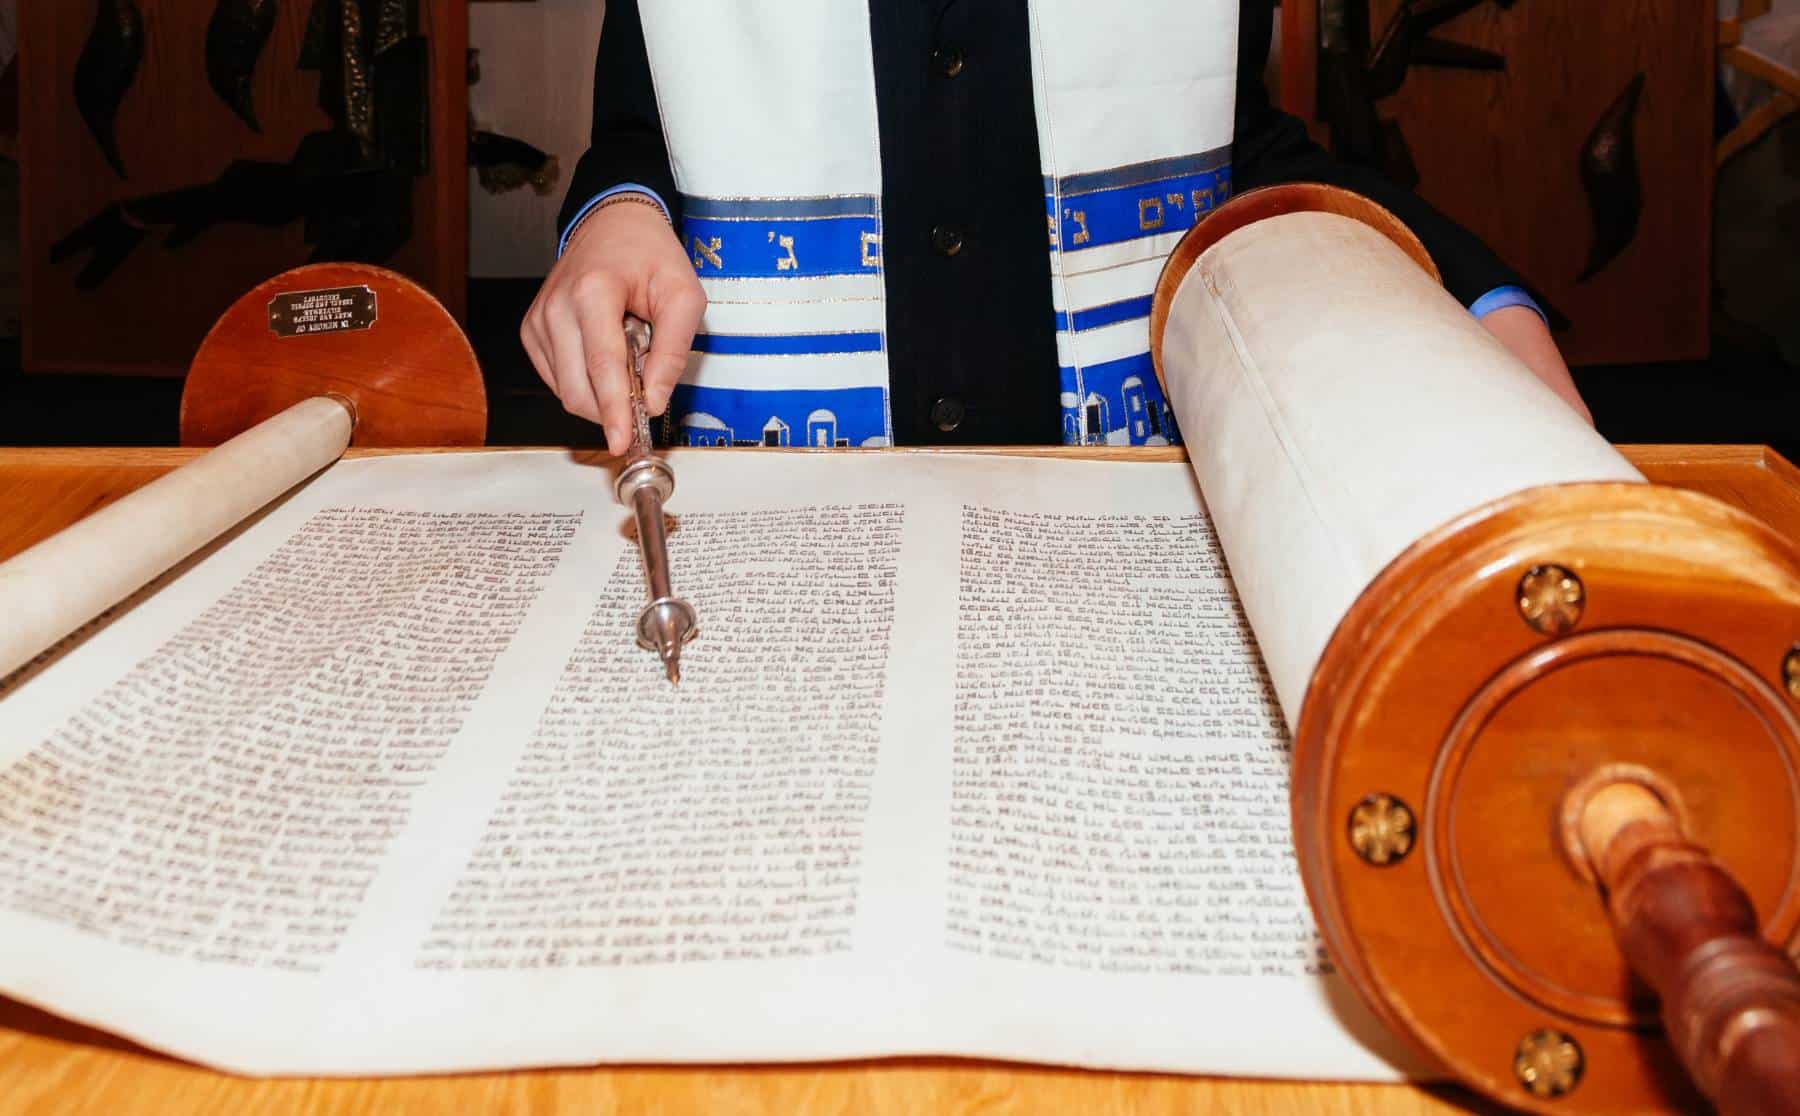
column 1110, row 314
column 779, row 209
column 1121, row 403
column 1144, row 199
column 782, row 238
column 1137, row 174
column 715, row 416
column 786, row 344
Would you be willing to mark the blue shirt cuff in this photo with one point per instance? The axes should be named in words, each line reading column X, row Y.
column 1501, row 297
column 622, row 188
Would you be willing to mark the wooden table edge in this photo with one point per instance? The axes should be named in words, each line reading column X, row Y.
column 1755, row 456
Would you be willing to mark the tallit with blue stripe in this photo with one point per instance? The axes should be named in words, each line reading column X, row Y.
column 769, row 112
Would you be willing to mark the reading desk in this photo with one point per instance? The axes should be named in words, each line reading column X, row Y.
column 50, row 1064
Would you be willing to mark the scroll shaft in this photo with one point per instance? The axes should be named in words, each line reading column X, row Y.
column 1730, row 1000
column 55, row 587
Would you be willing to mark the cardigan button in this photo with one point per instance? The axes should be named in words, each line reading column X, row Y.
column 947, row 413
column 948, row 60
column 945, row 240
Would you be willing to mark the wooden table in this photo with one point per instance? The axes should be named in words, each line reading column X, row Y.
column 49, row 1065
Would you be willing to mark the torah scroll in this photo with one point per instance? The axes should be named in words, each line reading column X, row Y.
column 1338, row 404
column 975, row 756
column 68, row 579
column 1481, row 624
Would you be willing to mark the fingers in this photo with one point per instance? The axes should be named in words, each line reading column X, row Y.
column 601, row 316
column 573, row 334
column 675, row 319
column 568, row 364
column 536, row 343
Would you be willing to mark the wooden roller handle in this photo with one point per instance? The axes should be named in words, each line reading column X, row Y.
column 1730, row 1000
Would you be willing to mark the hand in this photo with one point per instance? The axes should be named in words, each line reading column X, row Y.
column 623, row 257
column 1524, row 334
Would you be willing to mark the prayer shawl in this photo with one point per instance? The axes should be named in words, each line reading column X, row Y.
column 769, row 112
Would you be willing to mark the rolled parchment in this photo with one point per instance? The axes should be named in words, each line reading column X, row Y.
column 52, row 589
column 1338, row 404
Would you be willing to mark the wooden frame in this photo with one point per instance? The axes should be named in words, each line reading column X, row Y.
column 1524, row 195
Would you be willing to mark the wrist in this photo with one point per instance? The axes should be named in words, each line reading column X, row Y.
column 633, row 197
column 1504, row 298
column 627, row 193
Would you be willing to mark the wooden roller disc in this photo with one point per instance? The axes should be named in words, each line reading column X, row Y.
column 364, row 334
column 1492, row 678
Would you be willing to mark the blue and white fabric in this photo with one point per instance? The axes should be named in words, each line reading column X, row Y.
column 769, row 112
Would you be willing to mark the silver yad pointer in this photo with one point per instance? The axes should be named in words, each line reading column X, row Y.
column 667, row 623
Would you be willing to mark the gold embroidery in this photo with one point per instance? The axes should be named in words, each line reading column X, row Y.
column 789, row 263
column 871, row 240
column 1145, row 205
column 1175, row 200
column 1050, row 220
column 1079, row 216
column 705, row 253
column 1203, row 199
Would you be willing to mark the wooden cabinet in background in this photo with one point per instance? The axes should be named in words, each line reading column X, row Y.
column 1501, row 153
column 173, row 131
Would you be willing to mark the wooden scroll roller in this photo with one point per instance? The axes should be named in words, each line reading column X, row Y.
column 303, row 366
column 1546, row 767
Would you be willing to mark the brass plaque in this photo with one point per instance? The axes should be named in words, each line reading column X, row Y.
column 339, row 310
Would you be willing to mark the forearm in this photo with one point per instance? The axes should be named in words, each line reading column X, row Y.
column 1524, row 334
